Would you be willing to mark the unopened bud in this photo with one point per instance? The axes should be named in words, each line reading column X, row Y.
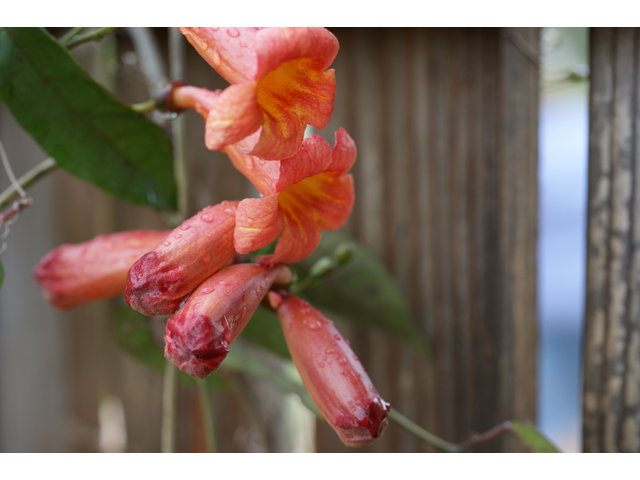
column 343, row 253
column 160, row 280
column 197, row 339
column 72, row 275
column 334, row 377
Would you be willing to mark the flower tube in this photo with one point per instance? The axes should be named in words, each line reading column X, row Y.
column 71, row 275
column 335, row 379
column 197, row 338
column 160, row 280
column 279, row 84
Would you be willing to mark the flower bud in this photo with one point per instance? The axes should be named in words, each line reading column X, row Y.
column 335, row 379
column 197, row 339
column 72, row 275
column 160, row 280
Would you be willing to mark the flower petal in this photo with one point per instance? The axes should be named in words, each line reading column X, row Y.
column 234, row 116
column 198, row 337
column 72, row 275
column 332, row 374
column 258, row 223
column 160, row 280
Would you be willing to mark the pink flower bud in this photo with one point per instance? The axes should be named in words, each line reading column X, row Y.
column 334, row 377
column 160, row 280
column 72, row 275
column 198, row 337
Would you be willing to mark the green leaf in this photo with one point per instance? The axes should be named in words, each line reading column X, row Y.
column 265, row 330
column 362, row 291
column 76, row 121
column 133, row 333
column 535, row 440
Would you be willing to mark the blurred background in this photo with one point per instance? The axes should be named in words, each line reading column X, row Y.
column 447, row 178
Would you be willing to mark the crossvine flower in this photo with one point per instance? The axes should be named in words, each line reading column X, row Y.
column 162, row 278
column 302, row 195
column 332, row 374
column 197, row 338
column 279, row 84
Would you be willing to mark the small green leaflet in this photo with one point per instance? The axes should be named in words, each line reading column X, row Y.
column 90, row 133
column 535, row 440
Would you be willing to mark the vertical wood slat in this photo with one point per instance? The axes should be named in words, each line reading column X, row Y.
column 611, row 400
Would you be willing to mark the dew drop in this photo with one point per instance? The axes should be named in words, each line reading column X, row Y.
column 215, row 29
column 224, row 283
column 356, row 358
column 324, row 358
column 329, row 351
column 205, row 258
column 197, row 305
column 166, row 244
column 333, row 343
column 262, row 162
column 243, row 45
column 342, row 361
column 178, row 235
column 337, row 337
column 206, row 218
column 204, row 46
column 233, row 32
column 258, row 28
column 347, row 342
column 314, row 325
column 250, row 163
column 228, row 210
column 223, row 203
column 185, row 227
column 215, row 57
column 321, row 365
column 239, row 55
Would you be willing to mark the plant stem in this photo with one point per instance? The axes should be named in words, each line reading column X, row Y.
column 207, row 418
column 37, row 172
column 91, row 36
column 169, row 400
column 421, row 433
column 70, row 34
column 483, row 437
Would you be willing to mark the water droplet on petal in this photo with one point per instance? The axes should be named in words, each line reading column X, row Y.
column 321, row 365
column 342, row 361
column 224, row 283
column 177, row 236
column 243, row 45
column 166, row 244
column 215, row 57
column 206, row 258
column 329, row 351
column 347, row 342
column 197, row 305
column 356, row 358
column 324, row 358
column 228, row 210
column 262, row 162
column 207, row 218
column 215, row 29
column 185, row 227
column 333, row 343
column 250, row 163
column 233, row 32
column 337, row 337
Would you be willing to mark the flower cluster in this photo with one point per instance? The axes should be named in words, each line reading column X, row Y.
column 280, row 82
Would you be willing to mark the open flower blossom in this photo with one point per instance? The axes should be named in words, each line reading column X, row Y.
column 197, row 338
column 332, row 374
column 279, row 84
column 301, row 196
column 161, row 279
column 71, row 275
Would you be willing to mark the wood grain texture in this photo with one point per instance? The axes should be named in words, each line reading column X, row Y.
column 611, row 400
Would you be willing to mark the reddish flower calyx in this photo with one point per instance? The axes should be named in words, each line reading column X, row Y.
column 332, row 374
column 72, row 275
column 197, row 339
column 160, row 280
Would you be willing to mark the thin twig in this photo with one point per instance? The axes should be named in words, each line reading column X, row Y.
column 92, row 36
column 484, row 437
column 36, row 173
column 207, row 418
column 148, row 106
column 169, row 400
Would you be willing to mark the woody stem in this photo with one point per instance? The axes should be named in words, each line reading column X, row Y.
column 33, row 175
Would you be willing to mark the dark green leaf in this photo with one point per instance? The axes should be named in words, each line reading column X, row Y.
column 362, row 291
column 535, row 440
column 265, row 330
column 133, row 333
column 76, row 121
